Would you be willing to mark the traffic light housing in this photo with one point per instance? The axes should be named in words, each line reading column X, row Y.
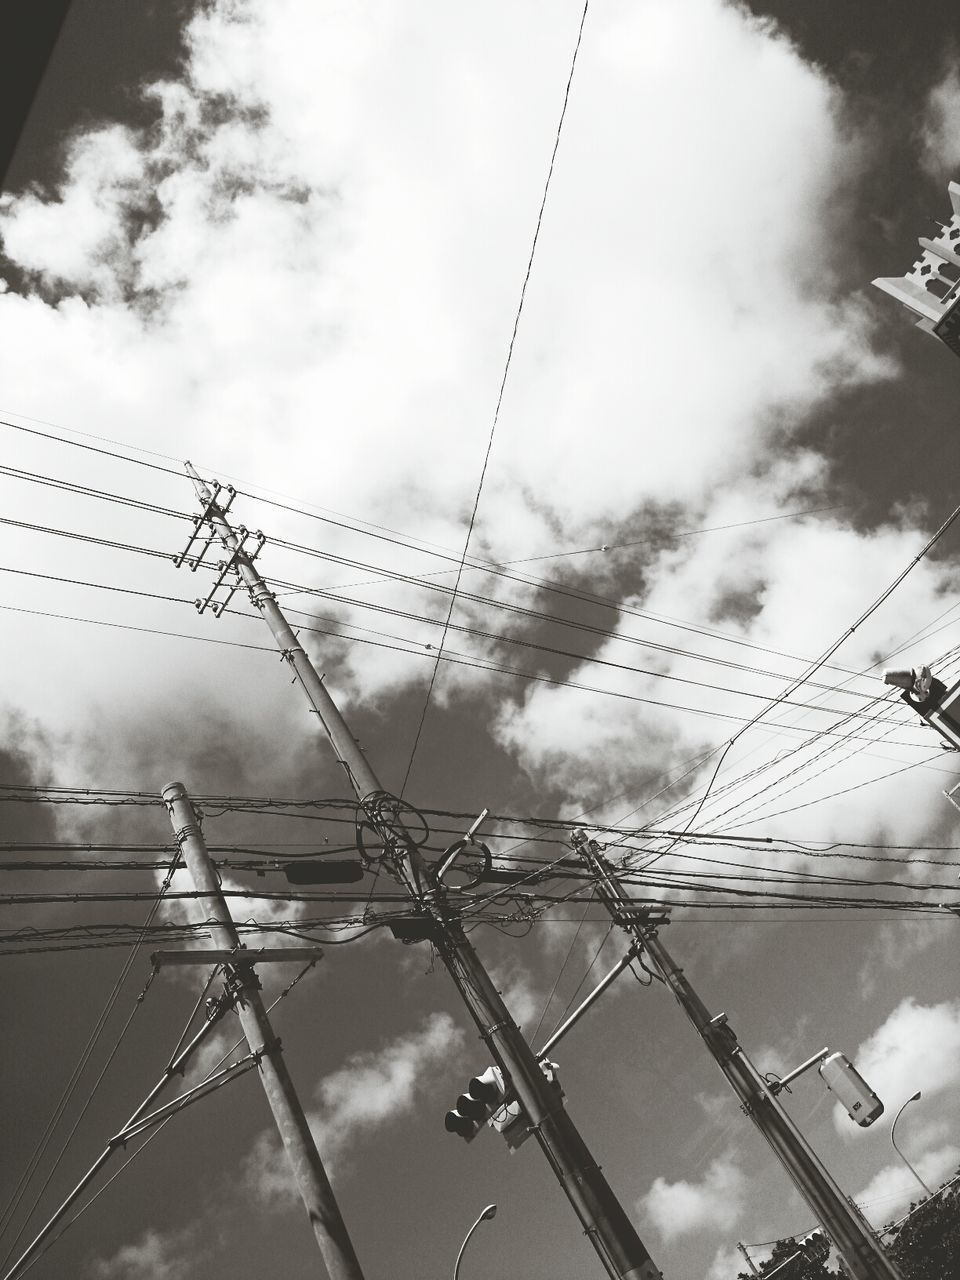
column 510, row 1120
column 486, row 1095
column 842, row 1078
column 490, row 1099
column 814, row 1246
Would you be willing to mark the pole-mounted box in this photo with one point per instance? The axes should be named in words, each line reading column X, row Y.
column 842, row 1078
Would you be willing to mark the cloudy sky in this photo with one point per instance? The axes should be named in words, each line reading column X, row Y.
column 288, row 242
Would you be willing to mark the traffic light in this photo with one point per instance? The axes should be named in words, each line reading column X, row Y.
column 490, row 1099
column 510, row 1120
column 814, row 1246
column 931, row 699
column 842, row 1078
column 486, row 1094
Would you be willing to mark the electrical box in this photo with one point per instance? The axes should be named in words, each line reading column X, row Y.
column 842, row 1078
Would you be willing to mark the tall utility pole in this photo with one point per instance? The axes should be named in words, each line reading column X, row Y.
column 842, row 1221
column 324, row 1213
column 603, row 1218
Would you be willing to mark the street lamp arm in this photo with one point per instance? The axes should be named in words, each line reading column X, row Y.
column 913, row 1098
column 488, row 1212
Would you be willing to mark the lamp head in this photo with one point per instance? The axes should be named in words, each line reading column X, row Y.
column 490, row 1211
column 902, row 679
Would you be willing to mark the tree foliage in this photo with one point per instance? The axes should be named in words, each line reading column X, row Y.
column 800, row 1269
column 925, row 1247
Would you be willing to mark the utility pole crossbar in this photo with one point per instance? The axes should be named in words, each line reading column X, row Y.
column 604, row 1220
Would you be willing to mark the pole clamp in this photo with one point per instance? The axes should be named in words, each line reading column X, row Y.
column 274, row 1046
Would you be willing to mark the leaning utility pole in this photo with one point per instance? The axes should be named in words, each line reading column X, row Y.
column 244, row 986
column 842, row 1221
column 604, row 1220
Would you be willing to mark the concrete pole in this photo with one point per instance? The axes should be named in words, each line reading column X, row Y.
column 604, row 1221
column 318, row 1198
column 743, row 1249
column 856, row 1243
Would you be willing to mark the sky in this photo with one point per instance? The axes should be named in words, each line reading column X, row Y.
column 691, row 448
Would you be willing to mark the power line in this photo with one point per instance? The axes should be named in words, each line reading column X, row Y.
column 166, row 1120
column 472, row 631
column 402, row 647
column 498, row 668
column 125, row 626
column 832, row 648
column 73, row 1082
column 496, row 413
column 108, row 453
column 461, row 659
column 680, row 533
column 71, row 486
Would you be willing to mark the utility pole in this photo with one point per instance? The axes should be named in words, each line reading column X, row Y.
column 242, row 982
column 750, row 1263
column 858, row 1246
column 603, row 1218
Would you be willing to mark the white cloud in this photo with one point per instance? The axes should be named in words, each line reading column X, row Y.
column 520, row 993
column 372, row 1089
column 156, row 1256
column 290, row 271
column 716, row 1107
column 940, row 129
column 917, row 1047
column 678, row 1208
column 726, row 1265
column 894, row 945
column 748, row 584
column 891, row 1190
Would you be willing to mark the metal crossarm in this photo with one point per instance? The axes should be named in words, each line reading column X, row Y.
column 231, row 566
column 245, row 549
column 200, row 521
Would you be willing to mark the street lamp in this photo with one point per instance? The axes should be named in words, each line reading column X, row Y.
column 913, row 1098
column 489, row 1212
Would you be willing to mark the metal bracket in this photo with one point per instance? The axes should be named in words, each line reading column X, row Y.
column 198, row 523
column 951, row 795
column 783, row 1082
column 225, row 567
column 453, row 852
column 271, row 1047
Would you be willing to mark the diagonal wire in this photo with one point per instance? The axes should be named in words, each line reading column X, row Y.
column 588, row 971
column 496, row 414
column 815, row 666
column 46, row 1137
column 163, row 1123
column 566, row 961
